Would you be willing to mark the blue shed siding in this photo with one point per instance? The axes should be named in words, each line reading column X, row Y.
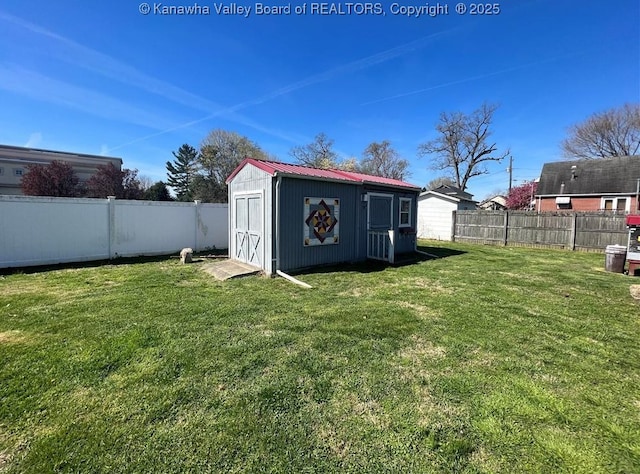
column 293, row 253
column 405, row 242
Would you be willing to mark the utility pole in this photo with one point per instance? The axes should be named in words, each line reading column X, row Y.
column 510, row 170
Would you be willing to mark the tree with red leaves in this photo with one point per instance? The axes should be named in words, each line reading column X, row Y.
column 521, row 197
column 55, row 179
column 112, row 181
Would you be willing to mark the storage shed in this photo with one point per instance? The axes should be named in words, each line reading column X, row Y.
column 435, row 211
column 288, row 217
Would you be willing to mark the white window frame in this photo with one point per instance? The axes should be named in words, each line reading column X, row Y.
column 408, row 224
column 1, row 170
column 615, row 199
column 18, row 172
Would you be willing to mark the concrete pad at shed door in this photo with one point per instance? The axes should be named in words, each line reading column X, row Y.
column 226, row 269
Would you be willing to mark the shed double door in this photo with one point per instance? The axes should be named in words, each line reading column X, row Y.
column 248, row 229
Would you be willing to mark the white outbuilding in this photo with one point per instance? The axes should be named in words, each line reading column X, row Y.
column 435, row 211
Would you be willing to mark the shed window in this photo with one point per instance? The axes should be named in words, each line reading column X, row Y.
column 18, row 171
column 1, row 171
column 405, row 212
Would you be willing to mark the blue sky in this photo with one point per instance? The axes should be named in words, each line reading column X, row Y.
column 102, row 78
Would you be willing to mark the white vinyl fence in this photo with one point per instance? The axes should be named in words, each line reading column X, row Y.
column 43, row 230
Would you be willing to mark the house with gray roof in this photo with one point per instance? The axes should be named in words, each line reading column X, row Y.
column 610, row 184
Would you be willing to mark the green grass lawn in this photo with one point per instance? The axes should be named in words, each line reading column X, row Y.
column 488, row 360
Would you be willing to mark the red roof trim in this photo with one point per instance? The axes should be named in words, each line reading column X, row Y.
column 633, row 220
column 273, row 167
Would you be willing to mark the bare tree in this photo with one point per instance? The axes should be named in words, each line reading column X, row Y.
column 220, row 153
column 615, row 132
column 350, row 164
column 463, row 145
column 145, row 182
column 380, row 159
column 318, row 154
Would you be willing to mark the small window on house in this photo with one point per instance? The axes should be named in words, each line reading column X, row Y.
column 563, row 202
column 618, row 204
column 18, row 171
column 1, row 171
column 405, row 212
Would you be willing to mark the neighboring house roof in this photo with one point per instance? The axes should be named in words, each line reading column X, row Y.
column 296, row 171
column 495, row 202
column 599, row 176
column 448, row 192
column 449, row 197
column 453, row 191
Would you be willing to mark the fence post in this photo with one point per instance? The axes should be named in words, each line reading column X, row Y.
column 195, row 237
column 111, row 224
column 506, row 228
column 572, row 236
column 453, row 225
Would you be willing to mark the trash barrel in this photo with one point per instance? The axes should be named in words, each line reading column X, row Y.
column 615, row 256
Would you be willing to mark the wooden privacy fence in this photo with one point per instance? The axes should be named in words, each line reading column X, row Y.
column 571, row 231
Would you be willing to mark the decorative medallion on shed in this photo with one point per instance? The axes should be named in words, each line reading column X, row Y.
column 321, row 221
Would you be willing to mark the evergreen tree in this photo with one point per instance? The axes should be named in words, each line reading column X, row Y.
column 182, row 171
column 157, row 192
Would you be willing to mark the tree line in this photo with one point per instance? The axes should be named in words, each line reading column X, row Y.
column 461, row 149
column 201, row 174
column 59, row 179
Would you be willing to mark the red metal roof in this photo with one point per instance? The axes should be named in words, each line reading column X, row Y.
column 274, row 167
column 367, row 178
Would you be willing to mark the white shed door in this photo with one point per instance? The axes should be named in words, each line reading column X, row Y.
column 248, row 229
